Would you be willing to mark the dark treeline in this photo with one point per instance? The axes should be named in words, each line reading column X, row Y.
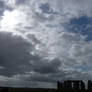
column 66, row 86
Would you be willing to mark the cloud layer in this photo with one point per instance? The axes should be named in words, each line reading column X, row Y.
column 38, row 42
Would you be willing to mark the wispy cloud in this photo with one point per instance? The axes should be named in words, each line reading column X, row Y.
column 36, row 44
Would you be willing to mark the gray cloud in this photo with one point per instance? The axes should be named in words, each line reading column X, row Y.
column 14, row 54
column 50, row 52
column 45, row 66
column 3, row 7
column 19, row 2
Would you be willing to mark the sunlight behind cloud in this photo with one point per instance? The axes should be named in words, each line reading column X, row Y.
column 10, row 19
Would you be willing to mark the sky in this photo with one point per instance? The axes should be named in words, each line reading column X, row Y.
column 45, row 41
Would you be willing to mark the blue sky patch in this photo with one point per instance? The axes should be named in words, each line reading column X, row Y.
column 45, row 8
column 81, row 25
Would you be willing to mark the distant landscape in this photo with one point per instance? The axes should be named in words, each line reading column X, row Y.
column 65, row 86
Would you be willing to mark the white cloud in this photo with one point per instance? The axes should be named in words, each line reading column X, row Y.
column 51, row 40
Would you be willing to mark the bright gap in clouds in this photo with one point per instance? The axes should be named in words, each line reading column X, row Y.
column 10, row 19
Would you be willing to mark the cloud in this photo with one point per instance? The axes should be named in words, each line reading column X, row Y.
column 44, row 49
column 45, row 66
column 14, row 54
column 1, row 7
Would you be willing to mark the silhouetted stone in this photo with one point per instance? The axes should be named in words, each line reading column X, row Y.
column 89, row 86
column 72, row 86
column 82, row 85
column 66, row 86
column 4, row 89
column 76, row 85
column 59, row 86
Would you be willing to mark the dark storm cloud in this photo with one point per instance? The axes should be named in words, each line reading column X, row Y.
column 14, row 54
column 45, row 66
column 54, row 77
column 16, row 59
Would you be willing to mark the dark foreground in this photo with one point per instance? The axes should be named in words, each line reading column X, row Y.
column 6, row 89
column 66, row 86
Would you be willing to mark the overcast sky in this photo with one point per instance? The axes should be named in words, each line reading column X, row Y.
column 45, row 41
